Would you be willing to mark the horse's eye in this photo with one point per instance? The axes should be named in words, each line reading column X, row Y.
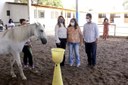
column 41, row 31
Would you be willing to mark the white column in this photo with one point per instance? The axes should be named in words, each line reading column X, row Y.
column 29, row 11
column 77, row 15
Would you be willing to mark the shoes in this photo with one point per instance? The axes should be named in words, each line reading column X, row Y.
column 71, row 64
column 78, row 65
column 93, row 66
column 25, row 66
column 31, row 67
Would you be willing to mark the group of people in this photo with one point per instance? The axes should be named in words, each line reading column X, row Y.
column 73, row 37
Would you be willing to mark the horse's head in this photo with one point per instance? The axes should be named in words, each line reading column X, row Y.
column 40, row 33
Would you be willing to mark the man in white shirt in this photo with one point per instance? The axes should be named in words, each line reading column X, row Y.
column 91, row 35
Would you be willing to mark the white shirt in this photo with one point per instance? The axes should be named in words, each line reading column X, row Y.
column 90, row 32
column 10, row 25
column 60, row 32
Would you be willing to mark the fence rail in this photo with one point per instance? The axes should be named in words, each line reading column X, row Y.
column 114, row 30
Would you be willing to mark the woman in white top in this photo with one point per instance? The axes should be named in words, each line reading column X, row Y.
column 61, row 35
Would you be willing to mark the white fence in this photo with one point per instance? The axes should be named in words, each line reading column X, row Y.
column 114, row 30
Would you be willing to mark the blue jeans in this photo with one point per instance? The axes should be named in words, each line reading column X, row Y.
column 74, row 47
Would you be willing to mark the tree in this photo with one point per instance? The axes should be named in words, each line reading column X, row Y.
column 125, row 4
column 56, row 3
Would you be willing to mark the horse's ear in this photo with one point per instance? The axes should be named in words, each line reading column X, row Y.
column 37, row 23
column 44, row 25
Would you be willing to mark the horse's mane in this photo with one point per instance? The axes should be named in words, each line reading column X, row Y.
column 19, row 33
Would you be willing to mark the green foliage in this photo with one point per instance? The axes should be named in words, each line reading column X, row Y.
column 23, row 1
column 56, row 3
column 125, row 4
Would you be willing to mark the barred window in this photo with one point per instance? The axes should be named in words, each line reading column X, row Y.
column 69, row 15
column 54, row 14
column 35, row 13
column 102, row 15
column 41, row 13
column 125, row 15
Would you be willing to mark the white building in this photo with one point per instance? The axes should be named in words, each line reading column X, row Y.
column 48, row 15
column 3, row 10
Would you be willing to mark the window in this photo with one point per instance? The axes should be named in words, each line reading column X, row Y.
column 68, row 15
column 74, row 15
column 65, row 14
column 125, row 18
column 116, row 15
column 102, row 15
column 35, row 13
column 61, row 13
column 112, row 18
column 125, row 15
column 41, row 13
column 54, row 14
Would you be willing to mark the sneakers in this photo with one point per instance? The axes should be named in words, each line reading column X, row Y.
column 31, row 67
column 71, row 64
column 25, row 66
column 78, row 65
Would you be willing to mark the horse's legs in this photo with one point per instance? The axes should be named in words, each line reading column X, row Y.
column 12, row 61
column 18, row 61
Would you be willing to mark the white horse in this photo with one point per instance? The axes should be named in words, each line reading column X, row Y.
column 13, row 40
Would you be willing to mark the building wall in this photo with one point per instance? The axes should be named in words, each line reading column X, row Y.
column 17, row 12
column 3, row 10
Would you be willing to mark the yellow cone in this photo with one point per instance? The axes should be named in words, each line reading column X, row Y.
column 57, row 57
column 57, row 78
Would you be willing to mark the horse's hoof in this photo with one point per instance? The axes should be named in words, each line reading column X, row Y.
column 13, row 76
column 24, row 78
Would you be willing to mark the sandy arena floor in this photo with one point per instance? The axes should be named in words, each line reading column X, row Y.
column 111, row 69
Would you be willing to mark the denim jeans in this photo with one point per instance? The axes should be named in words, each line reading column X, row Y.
column 74, row 47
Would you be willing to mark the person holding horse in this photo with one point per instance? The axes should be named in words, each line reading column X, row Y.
column 28, row 58
column 61, row 35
